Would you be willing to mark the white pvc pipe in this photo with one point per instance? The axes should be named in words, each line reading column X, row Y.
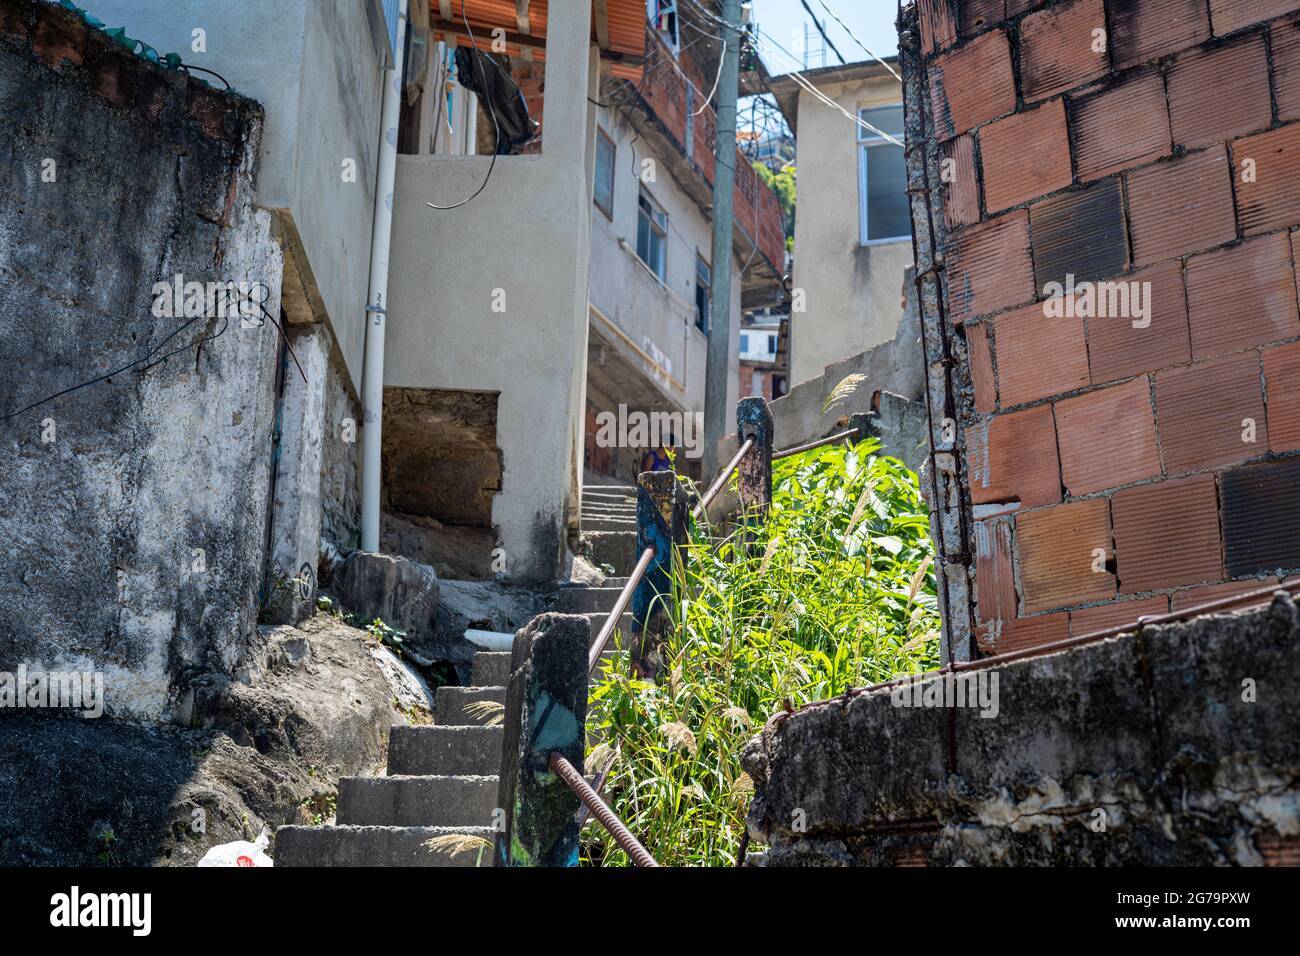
column 372, row 395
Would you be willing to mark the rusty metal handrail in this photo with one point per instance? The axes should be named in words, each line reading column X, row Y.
column 829, row 439
column 698, row 512
column 591, row 800
column 600, row 810
column 616, row 612
column 1246, row 600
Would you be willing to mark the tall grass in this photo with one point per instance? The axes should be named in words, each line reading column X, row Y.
column 835, row 590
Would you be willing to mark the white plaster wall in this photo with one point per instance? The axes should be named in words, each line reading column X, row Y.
column 312, row 65
column 632, row 297
column 527, row 234
column 853, row 292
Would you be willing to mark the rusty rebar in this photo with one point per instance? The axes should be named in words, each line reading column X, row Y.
column 721, row 480
column 829, row 439
column 600, row 810
column 624, row 598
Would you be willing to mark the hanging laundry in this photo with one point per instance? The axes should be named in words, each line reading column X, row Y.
column 500, row 95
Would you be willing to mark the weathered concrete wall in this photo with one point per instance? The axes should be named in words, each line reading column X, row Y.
column 852, row 289
column 1179, row 747
column 133, row 510
column 896, row 366
column 314, row 67
column 492, row 296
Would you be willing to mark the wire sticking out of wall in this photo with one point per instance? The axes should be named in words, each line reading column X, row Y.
column 496, row 125
column 146, row 358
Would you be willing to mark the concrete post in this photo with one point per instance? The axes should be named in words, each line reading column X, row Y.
column 717, row 364
column 660, row 524
column 754, row 420
column 546, row 710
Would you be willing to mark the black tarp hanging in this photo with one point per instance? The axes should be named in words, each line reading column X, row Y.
column 499, row 94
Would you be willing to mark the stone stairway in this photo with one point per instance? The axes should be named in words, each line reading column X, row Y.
column 609, row 525
column 441, row 779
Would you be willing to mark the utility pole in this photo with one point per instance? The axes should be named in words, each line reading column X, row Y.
column 717, row 366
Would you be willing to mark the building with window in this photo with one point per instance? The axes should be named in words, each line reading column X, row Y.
column 764, row 354
column 849, row 256
column 651, row 270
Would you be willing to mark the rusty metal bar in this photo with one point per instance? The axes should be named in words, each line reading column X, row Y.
column 598, row 785
column 829, row 439
column 1244, row 601
column 720, row 481
column 624, row 598
column 600, row 810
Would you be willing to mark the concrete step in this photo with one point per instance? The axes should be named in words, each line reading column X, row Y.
column 609, row 504
column 376, row 846
column 598, row 619
column 586, row 600
column 435, row 749
column 449, row 704
column 624, row 525
column 491, row 668
column 615, row 548
column 439, row 801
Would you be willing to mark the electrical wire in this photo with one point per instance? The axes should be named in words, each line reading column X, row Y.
column 859, row 42
column 197, row 344
column 806, row 84
column 496, row 125
column 822, row 31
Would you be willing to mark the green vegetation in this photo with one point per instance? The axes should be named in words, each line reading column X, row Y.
column 836, row 590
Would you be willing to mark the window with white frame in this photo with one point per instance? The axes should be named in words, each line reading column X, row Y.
column 883, row 212
column 652, row 235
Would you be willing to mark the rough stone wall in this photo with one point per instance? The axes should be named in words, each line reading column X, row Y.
column 341, row 459
column 133, row 510
column 1114, row 461
column 1180, row 746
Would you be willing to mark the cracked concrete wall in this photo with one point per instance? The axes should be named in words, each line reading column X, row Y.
column 1180, row 746
column 133, row 510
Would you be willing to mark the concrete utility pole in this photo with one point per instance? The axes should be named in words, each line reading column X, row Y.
column 717, row 371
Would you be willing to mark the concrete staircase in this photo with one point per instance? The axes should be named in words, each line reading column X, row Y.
column 609, row 525
column 442, row 778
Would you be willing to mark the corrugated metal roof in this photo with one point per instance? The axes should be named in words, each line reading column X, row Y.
column 626, row 20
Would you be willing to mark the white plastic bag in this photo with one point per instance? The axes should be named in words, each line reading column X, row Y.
column 239, row 853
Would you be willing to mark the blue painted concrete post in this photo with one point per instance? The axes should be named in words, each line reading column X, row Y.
column 754, row 420
column 546, row 710
column 660, row 524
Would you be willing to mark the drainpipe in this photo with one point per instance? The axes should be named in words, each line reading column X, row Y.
column 372, row 393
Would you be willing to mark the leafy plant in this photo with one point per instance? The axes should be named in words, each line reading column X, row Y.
column 834, row 590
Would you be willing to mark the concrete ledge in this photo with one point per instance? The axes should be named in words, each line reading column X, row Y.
column 1178, row 747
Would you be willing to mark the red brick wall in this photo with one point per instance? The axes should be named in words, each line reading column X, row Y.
column 1111, row 468
column 757, row 209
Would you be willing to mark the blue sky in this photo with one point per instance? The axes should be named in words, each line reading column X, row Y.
column 872, row 21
